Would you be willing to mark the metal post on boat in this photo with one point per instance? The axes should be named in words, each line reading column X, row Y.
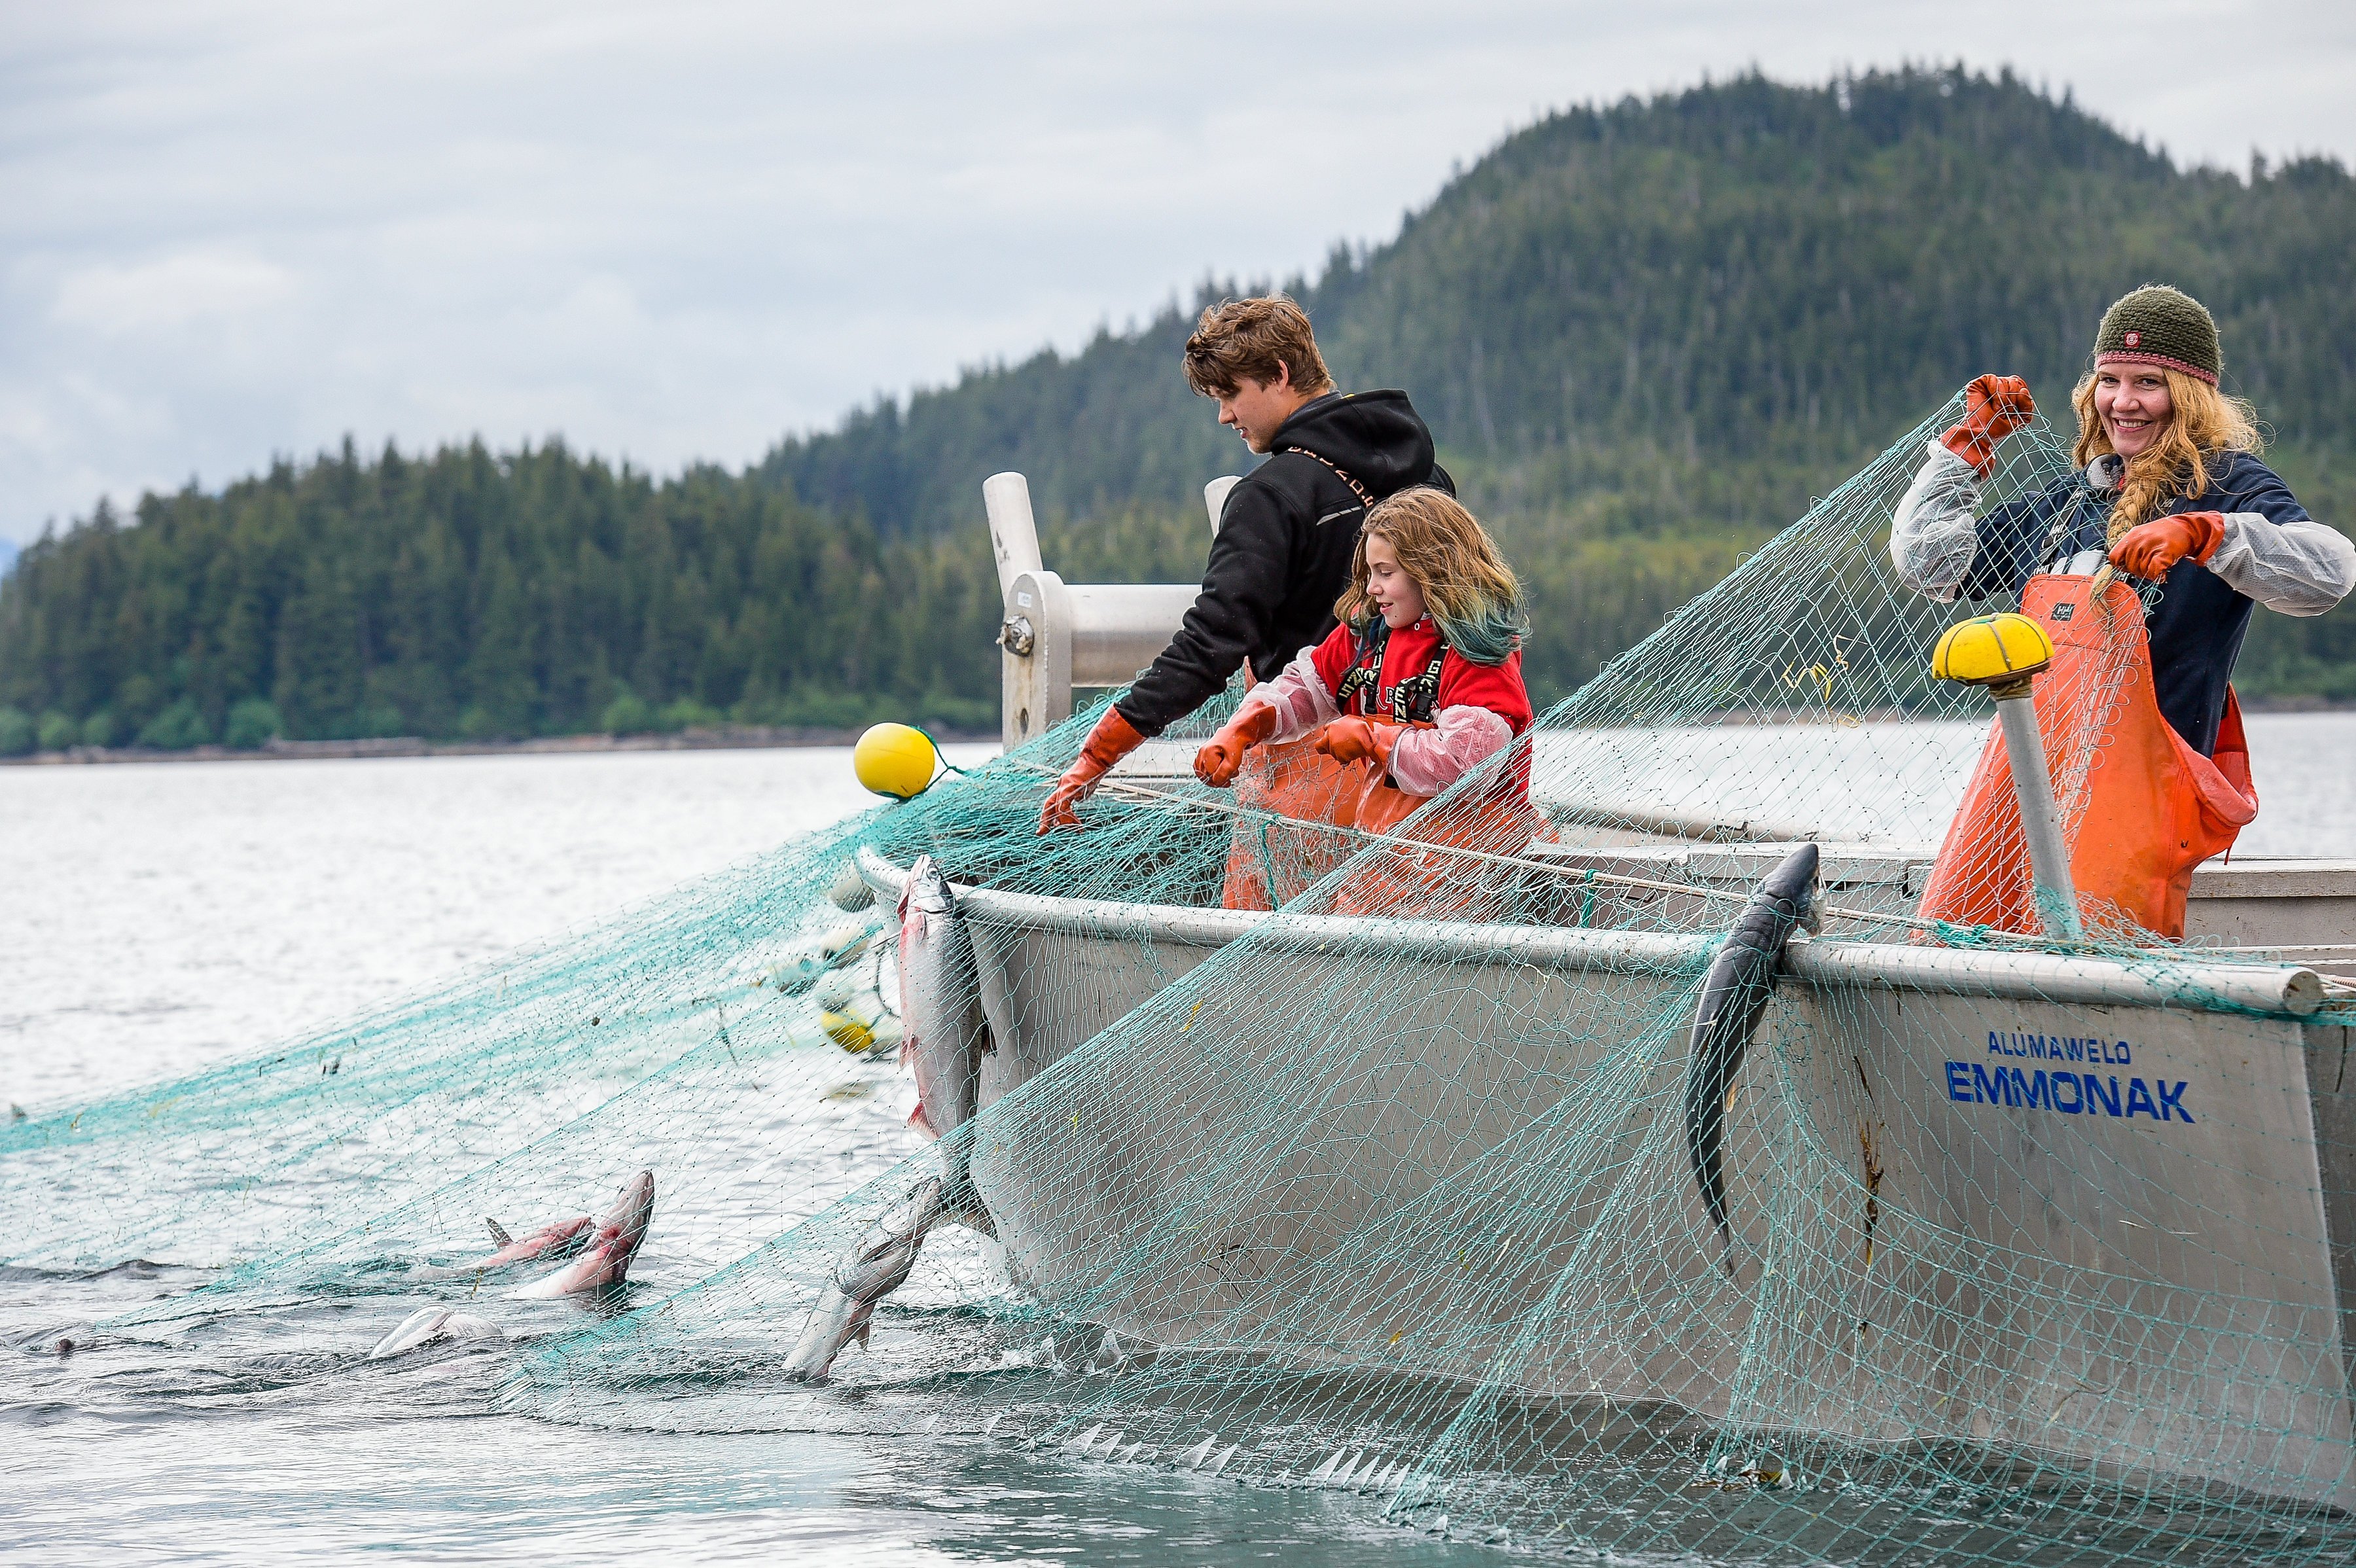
column 1014, row 531
column 2006, row 653
column 1056, row 635
column 2048, row 857
column 1037, row 638
column 1035, row 661
column 1214, row 498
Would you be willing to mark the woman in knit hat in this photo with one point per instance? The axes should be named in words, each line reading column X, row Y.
column 2136, row 711
column 2171, row 491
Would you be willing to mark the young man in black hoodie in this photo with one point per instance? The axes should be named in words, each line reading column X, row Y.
column 1287, row 533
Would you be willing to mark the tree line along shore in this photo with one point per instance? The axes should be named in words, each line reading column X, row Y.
column 1644, row 334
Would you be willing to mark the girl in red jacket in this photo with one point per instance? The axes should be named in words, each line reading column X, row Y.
column 1420, row 683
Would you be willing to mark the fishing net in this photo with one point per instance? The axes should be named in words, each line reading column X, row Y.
column 1525, row 1171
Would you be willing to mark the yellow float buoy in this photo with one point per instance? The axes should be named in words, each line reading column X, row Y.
column 898, row 760
column 848, row 1032
column 2001, row 651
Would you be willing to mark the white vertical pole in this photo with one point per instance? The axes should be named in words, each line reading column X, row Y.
column 1214, row 498
column 1013, row 533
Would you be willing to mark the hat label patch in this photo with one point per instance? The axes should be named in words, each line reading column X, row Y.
column 2135, row 339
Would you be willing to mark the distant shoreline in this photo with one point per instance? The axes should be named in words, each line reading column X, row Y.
column 732, row 737
column 729, row 738
column 2296, row 705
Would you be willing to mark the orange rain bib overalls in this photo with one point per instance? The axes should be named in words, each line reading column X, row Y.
column 1270, row 863
column 2139, row 806
column 1334, row 805
column 1397, row 878
column 1338, row 805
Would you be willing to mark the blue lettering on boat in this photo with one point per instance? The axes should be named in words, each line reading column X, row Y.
column 2060, row 1048
column 1993, row 1091
column 2069, row 1093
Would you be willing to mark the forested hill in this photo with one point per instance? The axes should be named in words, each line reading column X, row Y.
column 1747, row 273
column 1645, row 335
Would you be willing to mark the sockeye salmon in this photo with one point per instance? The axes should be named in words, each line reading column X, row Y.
column 946, row 1034
column 606, row 1259
column 1733, row 995
column 559, row 1238
column 876, row 1266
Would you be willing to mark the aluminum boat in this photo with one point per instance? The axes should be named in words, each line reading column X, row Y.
column 2168, row 1283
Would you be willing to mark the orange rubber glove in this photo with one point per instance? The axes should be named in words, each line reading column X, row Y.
column 1354, row 739
column 1994, row 407
column 1113, row 738
column 2149, row 551
column 1217, row 762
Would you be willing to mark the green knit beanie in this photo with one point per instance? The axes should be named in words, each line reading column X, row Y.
column 2156, row 325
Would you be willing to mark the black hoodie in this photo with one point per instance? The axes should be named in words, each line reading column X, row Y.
column 1283, row 549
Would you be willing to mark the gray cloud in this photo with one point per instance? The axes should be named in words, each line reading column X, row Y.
column 678, row 232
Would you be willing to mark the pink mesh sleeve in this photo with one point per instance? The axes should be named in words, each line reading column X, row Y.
column 1298, row 696
column 1426, row 761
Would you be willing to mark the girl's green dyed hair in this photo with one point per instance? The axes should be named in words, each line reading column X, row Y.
column 1467, row 586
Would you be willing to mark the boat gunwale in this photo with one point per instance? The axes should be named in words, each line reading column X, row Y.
column 2160, row 981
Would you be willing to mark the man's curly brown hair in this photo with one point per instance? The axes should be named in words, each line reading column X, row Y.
column 1258, row 340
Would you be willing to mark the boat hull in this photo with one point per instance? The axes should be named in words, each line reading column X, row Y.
column 1988, row 1254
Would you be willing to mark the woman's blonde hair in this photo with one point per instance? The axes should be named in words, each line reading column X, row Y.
column 2202, row 424
column 1467, row 586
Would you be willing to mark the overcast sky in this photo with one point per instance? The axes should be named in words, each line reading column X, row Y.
column 677, row 230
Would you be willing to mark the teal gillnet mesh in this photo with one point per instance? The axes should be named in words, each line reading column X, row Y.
column 1423, row 1187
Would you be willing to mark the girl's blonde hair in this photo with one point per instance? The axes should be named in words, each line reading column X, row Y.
column 1467, row 586
column 2203, row 423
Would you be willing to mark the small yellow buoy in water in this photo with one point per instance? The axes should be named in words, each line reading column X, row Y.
column 898, row 760
column 848, row 1032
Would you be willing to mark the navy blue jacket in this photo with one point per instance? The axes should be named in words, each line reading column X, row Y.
column 2196, row 626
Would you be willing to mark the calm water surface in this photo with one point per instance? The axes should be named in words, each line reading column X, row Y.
column 158, row 917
